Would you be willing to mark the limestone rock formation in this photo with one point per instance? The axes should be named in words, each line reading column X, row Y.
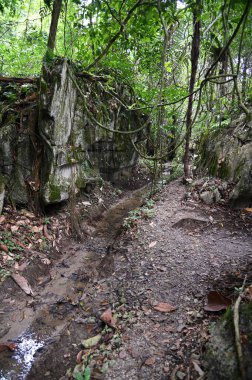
column 56, row 144
column 227, row 154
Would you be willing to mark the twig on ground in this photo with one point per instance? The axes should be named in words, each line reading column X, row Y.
column 237, row 332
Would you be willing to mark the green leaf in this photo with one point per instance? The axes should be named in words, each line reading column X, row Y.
column 87, row 373
column 78, row 376
column 87, row 343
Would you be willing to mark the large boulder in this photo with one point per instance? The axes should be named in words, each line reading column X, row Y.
column 58, row 144
column 227, row 154
column 221, row 361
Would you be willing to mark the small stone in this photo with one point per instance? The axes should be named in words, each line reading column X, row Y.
column 180, row 375
column 207, row 197
column 217, row 195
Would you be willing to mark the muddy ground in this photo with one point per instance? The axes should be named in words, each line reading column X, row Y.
column 175, row 253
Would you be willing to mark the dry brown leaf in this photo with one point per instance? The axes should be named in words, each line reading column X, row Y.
column 164, row 307
column 22, row 222
column 248, row 292
column 2, row 219
column 107, row 318
column 248, row 209
column 152, row 244
column 46, row 234
column 37, row 229
column 150, row 361
column 23, row 283
column 28, row 214
column 7, row 346
column 4, row 248
column 14, row 228
column 217, row 302
column 79, row 356
column 20, row 267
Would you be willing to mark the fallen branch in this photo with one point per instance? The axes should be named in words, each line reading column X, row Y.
column 237, row 332
column 18, row 80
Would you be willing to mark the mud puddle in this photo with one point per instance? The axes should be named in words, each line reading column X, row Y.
column 54, row 321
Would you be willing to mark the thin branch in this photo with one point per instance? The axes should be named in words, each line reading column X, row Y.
column 117, row 34
column 225, row 48
column 237, row 332
column 93, row 119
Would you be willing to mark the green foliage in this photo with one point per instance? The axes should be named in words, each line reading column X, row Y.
column 86, row 28
column 143, row 212
column 3, row 274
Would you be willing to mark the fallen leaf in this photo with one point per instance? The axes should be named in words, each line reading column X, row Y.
column 14, row 228
column 20, row 267
column 22, row 222
column 248, row 209
column 37, row 229
column 248, row 292
column 4, row 248
column 150, row 361
column 164, row 307
column 2, row 219
column 107, row 318
column 216, row 302
column 107, row 337
column 152, row 244
column 46, row 234
column 86, row 203
column 46, row 261
column 79, row 357
column 7, row 346
column 87, row 343
column 23, row 283
column 28, row 214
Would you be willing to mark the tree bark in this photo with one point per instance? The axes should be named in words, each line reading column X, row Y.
column 194, row 65
column 54, row 24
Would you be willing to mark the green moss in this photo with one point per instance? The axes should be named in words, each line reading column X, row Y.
column 54, row 193
column 227, row 318
column 224, row 170
column 81, row 182
column 247, row 310
column 213, row 165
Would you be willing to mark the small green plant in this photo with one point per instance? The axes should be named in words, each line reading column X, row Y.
column 47, row 220
column 82, row 373
column 144, row 212
column 3, row 274
column 10, row 244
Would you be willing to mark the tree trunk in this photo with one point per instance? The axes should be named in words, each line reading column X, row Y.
column 54, row 24
column 194, row 65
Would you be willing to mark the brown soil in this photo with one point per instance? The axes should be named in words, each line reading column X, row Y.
column 175, row 257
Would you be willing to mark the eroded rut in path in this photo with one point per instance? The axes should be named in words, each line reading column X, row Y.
column 49, row 326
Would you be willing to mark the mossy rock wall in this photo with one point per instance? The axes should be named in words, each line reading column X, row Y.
column 227, row 154
column 221, row 360
column 70, row 149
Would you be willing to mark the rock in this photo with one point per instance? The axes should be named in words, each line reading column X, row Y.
column 180, row 375
column 216, row 195
column 207, row 197
column 61, row 148
column 2, row 192
column 221, row 356
column 227, row 154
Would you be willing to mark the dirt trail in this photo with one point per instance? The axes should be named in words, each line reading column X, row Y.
column 174, row 257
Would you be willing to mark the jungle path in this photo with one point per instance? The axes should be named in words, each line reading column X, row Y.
column 173, row 258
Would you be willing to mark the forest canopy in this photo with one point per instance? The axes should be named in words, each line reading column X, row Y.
column 189, row 62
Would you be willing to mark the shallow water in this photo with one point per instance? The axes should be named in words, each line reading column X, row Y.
column 21, row 359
